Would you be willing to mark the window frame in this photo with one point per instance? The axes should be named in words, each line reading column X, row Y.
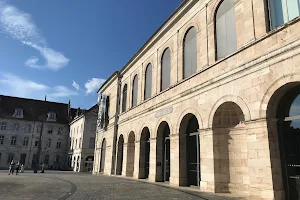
column 124, row 98
column 13, row 141
column 26, row 141
column 146, row 78
column 135, row 78
column 2, row 137
column 184, row 51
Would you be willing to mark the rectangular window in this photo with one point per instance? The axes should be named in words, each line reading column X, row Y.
column 28, row 128
column 3, row 126
column 49, row 142
column 36, row 143
column 283, row 11
column 60, row 131
column 58, row 144
column 1, row 139
column 25, row 142
column 0, row 157
column 50, row 130
column 13, row 141
column 16, row 127
column 92, row 143
column 38, row 128
column 10, row 157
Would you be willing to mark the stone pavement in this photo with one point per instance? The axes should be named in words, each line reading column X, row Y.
column 71, row 185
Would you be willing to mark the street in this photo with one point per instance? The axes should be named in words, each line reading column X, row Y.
column 70, row 185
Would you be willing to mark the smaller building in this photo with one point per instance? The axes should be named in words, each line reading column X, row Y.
column 82, row 140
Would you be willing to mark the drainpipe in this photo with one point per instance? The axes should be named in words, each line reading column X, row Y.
column 114, row 161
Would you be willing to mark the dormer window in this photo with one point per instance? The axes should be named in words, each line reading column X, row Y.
column 51, row 116
column 18, row 113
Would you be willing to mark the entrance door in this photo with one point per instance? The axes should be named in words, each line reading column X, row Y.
column 193, row 159
column 147, row 157
column 289, row 135
column 23, row 158
column 167, row 159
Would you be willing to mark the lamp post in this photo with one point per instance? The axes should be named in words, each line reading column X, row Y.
column 37, row 158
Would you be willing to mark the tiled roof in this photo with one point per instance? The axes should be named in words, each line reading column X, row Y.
column 34, row 110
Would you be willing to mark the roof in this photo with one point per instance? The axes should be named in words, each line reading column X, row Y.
column 33, row 110
column 93, row 111
column 116, row 72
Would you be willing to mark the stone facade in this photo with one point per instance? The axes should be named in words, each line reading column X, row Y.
column 26, row 128
column 82, row 140
column 229, row 104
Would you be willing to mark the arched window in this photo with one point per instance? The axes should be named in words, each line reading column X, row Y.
column 226, row 41
column 190, row 53
column 282, row 11
column 134, row 91
column 148, row 82
column 124, row 98
column 165, row 69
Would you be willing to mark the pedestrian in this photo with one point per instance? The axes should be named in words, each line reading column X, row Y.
column 43, row 168
column 18, row 168
column 22, row 169
column 11, row 167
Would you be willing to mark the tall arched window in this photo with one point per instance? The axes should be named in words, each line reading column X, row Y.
column 134, row 90
column 226, row 41
column 283, row 11
column 148, row 82
column 190, row 53
column 124, row 98
column 165, row 69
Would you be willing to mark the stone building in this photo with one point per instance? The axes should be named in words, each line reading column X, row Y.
column 21, row 123
column 210, row 100
column 82, row 140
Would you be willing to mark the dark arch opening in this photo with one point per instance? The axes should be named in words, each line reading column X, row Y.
column 163, row 152
column 102, row 159
column 130, row 154
column 189, row 151
column 144, row 153
column 120, row 155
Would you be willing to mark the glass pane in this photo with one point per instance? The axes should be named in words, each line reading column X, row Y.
column 221, row 37
column 230, row 21
column 135, row 91
column 148, row 82
column 166, row 69
column 278, row 13
column 293, row 8
column 190, row 53
column 224, row 7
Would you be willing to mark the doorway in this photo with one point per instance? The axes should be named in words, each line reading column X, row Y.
column 102, row 159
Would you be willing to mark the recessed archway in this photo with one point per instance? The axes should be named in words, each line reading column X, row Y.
column 102, row 158
column 120, row 155
column 144, row 153
column 283, row 114
column 230, row 149
column 163, row 152
column 130, row 154
column 189, row 151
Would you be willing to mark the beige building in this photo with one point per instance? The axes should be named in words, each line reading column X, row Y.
column 82, row 140
column 21, row 123
column 210, row 100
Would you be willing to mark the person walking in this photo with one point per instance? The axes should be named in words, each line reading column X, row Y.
column 11, row 167
column 43, row 168
column 17, row 168
column 22, row 169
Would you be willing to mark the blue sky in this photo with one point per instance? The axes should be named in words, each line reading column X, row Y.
column 67, row 49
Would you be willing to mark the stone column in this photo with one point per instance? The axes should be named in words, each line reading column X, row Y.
column 264, row 160
column 136, row 170
column 152, row 160
column 178, row 176
column 207, row 182
column 124, row 160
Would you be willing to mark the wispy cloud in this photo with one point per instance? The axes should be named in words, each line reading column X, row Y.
column 16, row 86
column 20, row 26
column 93, row 85
column 75, row 85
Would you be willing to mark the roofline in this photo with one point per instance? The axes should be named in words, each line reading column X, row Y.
column 155, row 34
column 107, row 81
column 32, row 99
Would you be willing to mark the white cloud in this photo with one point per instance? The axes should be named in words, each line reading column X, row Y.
column 93, row 85
column 75, row 85
column 13, row 85
column 20, row 26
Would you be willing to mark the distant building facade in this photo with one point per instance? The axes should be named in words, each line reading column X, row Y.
column 82, row 140
column 21, row 123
